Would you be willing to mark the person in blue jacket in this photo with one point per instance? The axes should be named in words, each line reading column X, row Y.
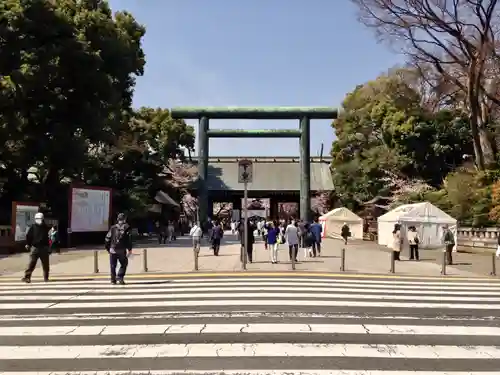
column 317, row 230
column 273, row 233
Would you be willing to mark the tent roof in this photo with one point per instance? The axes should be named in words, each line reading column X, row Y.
column 417, row 212
column 342, row 214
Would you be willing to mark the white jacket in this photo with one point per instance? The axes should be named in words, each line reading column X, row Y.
column 196, row 231
column 412, row 238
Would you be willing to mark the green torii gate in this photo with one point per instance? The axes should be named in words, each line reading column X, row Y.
column 303, row 114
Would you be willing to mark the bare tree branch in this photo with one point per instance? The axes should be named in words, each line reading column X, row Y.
column 455, row 42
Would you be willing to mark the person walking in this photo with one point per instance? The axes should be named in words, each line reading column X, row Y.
column 54, row 240
column 37, row 241
column 250, row 238
column 217, row 234
column 413, row 241
column 345, row 232
column 118, row 242
column 317, row 230
column 397, row 241
column 273, row 233
column 196, row 234
column 292, row 237
column 449, row 244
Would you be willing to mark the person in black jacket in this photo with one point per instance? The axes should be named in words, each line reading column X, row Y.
column 37, row 241
column 117, row 242
column 250, row 238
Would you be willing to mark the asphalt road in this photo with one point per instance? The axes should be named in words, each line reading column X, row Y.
column 251, row 325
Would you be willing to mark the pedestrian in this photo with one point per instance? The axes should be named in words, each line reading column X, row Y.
column 292, row 237
column 170, row 231
column 54, row 240
column 196, row 234
column 345, row 232
column 250, row 238
column 217, row 234
column 308, row 241
column 302, row 232
column 413, row 241
column 37, row 241
column 449, row 244
column 397, row 241
column 317, row 230
column 265, row 232
column 273, row 233
column 118, row 243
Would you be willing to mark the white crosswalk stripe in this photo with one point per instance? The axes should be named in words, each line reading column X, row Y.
column 251, row 325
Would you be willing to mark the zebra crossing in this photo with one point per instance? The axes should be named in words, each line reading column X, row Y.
column 234, row 325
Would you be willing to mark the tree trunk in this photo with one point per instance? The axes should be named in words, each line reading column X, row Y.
column 486, row 147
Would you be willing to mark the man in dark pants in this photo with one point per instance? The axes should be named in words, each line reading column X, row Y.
column 449, row 242
column 250, row 239
column 117, row 242
column 37, row 241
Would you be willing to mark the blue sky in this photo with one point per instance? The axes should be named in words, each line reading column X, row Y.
column 254, row 53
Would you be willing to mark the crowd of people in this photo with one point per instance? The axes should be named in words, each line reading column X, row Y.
column 293, row 234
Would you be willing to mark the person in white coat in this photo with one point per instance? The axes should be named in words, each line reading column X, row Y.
column 292, row 238
column 196, row 233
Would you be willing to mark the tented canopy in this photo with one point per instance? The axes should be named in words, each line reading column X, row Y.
column 425, row 217
column 333, row 221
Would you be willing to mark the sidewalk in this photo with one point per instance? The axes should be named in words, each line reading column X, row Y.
column 361, row 257
column 15, row 263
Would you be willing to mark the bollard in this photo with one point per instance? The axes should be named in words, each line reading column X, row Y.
column 244, row 258
column 342, row 259
column 493, row 265
column 393, row 262
column 196, row 253
column 443, row 263
column 96, row 261
column 145, row 260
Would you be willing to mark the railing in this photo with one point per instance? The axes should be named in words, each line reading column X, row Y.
column 478, row 237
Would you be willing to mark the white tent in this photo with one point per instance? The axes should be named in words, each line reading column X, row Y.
column 427, row 218
column 333, row 221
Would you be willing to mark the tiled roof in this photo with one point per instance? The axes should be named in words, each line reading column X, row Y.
column 269, row 174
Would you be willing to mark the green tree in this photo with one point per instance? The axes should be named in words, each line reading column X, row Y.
column 67, row 71
column 385, row 136
column 145, row 158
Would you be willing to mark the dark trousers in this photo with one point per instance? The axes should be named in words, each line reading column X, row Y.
column 249, row 251
column 316, row 247
column 114, row 259
column 396, row 255
column 449, row 256
column 43, row 255
column 414, row 252
column 216, row 245
column 293, row 250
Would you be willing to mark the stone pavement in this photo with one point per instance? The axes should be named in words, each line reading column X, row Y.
column 361, row 257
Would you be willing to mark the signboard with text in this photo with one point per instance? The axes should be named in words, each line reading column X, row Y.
column 90, row 209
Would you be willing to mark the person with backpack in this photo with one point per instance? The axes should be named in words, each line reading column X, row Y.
column 118, row 242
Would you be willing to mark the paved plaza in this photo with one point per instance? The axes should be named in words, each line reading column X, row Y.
column 362, row 257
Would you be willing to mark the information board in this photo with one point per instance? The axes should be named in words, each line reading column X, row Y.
column 90, row 209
